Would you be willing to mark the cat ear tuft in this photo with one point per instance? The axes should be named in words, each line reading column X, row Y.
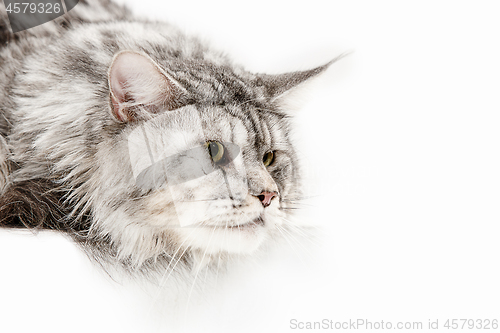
column 280, row 84
column 136, row 81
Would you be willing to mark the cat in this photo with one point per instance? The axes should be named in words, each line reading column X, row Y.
column 147, row 147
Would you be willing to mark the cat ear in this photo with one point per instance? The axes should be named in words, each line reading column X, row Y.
column 279, row 85
column 136, row 80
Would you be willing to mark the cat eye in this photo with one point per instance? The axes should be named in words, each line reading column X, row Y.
column 216, row 151
column 268, row 158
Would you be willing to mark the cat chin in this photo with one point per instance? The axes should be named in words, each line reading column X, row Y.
column 244, row 239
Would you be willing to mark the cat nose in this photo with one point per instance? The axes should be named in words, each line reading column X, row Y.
column 266, row 197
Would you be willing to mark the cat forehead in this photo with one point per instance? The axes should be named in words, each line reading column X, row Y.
column 257, row 125
column 242, row 126
column 208, row 83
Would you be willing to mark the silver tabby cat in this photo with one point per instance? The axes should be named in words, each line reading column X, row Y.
column 143, row 144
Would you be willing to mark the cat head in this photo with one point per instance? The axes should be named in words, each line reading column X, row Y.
column 203, row 158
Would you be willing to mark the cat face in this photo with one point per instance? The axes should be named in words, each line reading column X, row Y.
column 194, row 175
column 178, row 191
column 214, row 180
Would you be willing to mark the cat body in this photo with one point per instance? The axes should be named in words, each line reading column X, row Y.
column 95, row 100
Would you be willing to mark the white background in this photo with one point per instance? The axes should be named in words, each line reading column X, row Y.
column 402, row 139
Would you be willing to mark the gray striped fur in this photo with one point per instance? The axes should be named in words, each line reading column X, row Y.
column 64, row 162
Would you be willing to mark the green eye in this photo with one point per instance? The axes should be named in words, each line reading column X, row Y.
column 216, row 151
column 268, row 158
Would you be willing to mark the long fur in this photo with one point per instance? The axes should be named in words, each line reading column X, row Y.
column 64, row 152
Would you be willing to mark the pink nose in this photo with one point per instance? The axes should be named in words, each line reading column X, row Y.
column 266, row 197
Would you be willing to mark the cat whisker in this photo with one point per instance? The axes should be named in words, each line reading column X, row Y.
column 309, row 237
column 198, row 269
column 303, row 249
column 163, row 279
column 301, row 228
column 307, row 241
column 170, row 270
column 281, row 231
column 302, row 198
column 201, row 200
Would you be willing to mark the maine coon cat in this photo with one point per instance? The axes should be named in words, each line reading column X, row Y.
column 147, row 147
